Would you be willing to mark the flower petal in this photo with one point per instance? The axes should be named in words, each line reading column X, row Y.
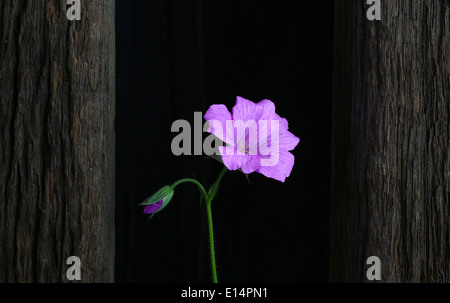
column 252, row 164
column 230, row 158
column 217, row 116
column 245, row 110
column 288, row 140
column 283, row 122
column 282, row 169
column 266, row 110
column 152, row 208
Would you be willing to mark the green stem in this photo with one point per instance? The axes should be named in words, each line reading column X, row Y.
column 212, row 193
column 211, row 241
column 208, row 197
column 200, row 186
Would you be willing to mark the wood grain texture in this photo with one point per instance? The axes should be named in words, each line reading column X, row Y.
column 391, row 141
column 57, row 94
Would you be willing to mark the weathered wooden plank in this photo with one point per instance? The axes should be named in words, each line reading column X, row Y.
column 391, row 141
column 57, row 94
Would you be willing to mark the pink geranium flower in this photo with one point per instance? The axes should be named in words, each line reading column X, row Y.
column 257, row 139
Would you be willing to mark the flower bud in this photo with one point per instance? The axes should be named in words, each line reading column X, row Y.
column 158, row 201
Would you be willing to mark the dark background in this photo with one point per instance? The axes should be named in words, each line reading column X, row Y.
column 177, row 57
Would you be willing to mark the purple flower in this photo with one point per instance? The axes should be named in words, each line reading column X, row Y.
column 152, row 208
column 257, row 138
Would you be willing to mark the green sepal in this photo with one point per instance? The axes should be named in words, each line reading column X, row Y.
column 213, row 191
column 164, row 203
column 167, row 191
column 246, row 175
column 163, row 193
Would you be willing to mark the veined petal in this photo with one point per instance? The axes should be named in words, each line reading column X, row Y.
column 266, row 110
column 252, row 164
column 218, row 112
column 247, row 110
column 230, row 158
column 287, row 140
column 217, row 116
column 283, row 122
column 282, row 169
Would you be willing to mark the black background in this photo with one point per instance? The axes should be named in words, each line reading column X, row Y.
column 178, row 57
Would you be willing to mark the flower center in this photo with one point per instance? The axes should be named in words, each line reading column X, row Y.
column 242, row 148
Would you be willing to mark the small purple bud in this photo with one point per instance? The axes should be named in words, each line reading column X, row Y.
column 152, row 208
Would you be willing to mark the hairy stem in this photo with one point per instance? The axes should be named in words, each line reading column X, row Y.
column 200, row 186
column 211, row 241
